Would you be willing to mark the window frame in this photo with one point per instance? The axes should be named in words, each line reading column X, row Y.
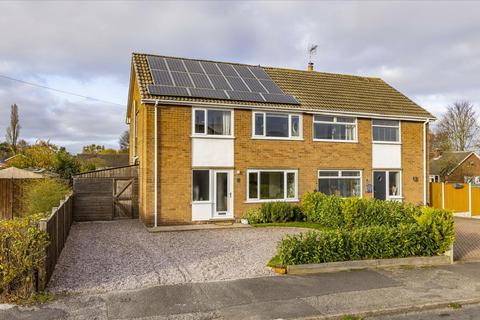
column 434, row 178
column 386, row 126
column 339, row 176
column 290, row 115
column 355, row 140
column 387, row 184
column 285, row 191
column 205, row 131
column 209, row 187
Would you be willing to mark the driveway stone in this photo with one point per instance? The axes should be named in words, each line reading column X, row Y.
column 122, row 255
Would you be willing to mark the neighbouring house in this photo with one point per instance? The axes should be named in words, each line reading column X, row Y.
column 454, row 166
column 213, row 139
column 104, row 161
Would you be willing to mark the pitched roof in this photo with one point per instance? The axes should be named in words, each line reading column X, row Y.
column 316, row 91
column 15, row 173
column 448, row 158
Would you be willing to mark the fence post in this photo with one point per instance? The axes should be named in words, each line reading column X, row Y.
column 42, row 272
column 470, row 199
column 443, row 195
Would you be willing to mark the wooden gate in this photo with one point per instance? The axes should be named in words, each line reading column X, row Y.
column 106, row 194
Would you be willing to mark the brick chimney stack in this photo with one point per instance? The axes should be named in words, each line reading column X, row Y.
column 310, row 66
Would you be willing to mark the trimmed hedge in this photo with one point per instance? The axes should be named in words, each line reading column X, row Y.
column 277, row 211
column 22, row 248
column 325, row 210
column 431, row 233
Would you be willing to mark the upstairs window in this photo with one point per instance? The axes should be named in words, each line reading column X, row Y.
column 212, row 122
column 386, row 130
column 334, row 128
column 277, row 125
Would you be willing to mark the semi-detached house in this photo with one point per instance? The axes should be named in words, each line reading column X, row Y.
column 213, row 138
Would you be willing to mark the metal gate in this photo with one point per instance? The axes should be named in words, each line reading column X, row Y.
column 106, row 194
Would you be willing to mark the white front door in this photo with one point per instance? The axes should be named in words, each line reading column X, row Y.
column 222, row 193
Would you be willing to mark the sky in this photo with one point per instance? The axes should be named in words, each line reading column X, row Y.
column 429, row 51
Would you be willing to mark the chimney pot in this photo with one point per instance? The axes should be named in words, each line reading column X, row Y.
column 310, row 66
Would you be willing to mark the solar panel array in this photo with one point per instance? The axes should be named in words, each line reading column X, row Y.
column 203, row 79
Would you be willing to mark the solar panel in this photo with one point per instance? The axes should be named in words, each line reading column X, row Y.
column 162, row 77
column 205, row 79
column 210, row 68
column 200, row 81
column 259, row 73
column 227, row 70
column 237, row 84
column 175, row 65
column 244, row 71
column 254, row 85
column 193, row 66
column 182, row 79
column 208, row 93
column 245, row 96
column 219, row 82
column 168, row 91
column 280, row 98
column 156, row 63
column 271, row 86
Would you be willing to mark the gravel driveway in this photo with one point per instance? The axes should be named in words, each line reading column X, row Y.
column 121, row 255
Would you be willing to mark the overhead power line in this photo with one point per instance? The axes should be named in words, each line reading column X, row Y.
column 59, row 91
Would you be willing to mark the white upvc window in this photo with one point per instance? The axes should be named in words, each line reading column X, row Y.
column 387, row 184
column 386, row 131
column 272, row 185
column 276, row 125
column 434, row 178
column 334, row 128
column 343, row 183
column 212, row 122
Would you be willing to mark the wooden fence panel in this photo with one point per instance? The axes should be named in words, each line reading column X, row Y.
column 456, row 199
column 475, row 201
column 58, row 227
column 436, row 194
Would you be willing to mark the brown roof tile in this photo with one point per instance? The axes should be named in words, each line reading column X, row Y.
column 314, row 90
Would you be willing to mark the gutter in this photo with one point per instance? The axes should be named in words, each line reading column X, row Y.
column 155, row 161
column 267, row 108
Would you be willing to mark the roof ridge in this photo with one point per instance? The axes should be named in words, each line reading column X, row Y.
column 259, row 65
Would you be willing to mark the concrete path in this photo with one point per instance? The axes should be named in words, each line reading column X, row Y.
column 468, row 312
column 287, row 297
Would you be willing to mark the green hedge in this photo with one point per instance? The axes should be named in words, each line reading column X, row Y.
column 22, row 248
column 277, row 211
column 42, row 195
column 325, row 210
column 431, row 233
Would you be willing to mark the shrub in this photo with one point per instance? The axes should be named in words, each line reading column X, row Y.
column 41, row 196
column 278, row 211
column 274, row 212
column 358, row 212
column 22, row 248
column 325, row 210
column 253, row 215
column 431, row 233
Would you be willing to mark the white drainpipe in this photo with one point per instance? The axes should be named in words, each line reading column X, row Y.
column 155, row 155
column 425, row 162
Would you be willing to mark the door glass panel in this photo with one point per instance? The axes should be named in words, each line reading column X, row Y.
column 222, row 192
column 394, row 183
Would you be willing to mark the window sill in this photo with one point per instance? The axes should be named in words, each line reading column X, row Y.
column 212, row 137
column 272, row 200
column 387, row 142
column 277, row 138
column 335, row 141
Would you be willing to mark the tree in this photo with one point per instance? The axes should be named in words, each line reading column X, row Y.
column 65, row 164
column 93, row 149
column 13, row 131
column 459, row 126
column 124, row 141
column 439, row 140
